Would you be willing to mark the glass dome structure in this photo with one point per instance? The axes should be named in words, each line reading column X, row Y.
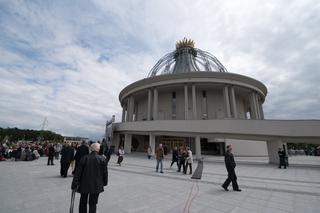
column 186, row 58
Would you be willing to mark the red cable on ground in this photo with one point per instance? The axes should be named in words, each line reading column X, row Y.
column 185, row 206
column 194, row 196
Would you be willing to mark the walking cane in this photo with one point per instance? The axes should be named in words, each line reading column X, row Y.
column 72, row 200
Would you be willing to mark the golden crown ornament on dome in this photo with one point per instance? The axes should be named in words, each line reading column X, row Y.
column 185, row 43
column 186, row 58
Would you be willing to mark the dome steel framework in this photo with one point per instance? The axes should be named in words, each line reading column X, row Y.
column 186, row 58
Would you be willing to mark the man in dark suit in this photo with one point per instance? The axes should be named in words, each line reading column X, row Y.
column 82, row 150
column 90, row 178
column 282, row 158
column 50, row 154
column 67, row 155
column 174, row 157
column 230, row 166
column 108, row 152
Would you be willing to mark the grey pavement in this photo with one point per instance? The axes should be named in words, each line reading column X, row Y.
column 135, row 187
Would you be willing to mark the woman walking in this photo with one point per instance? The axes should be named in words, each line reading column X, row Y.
column 120, row 155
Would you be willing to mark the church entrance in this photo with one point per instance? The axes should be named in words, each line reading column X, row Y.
column 169, row 142
column 212, row 148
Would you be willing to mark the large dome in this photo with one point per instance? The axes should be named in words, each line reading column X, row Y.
column 186, row 58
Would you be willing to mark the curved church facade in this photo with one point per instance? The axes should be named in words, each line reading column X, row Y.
column 190, row 99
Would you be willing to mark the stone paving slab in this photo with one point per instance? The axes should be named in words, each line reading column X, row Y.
column 135, row 187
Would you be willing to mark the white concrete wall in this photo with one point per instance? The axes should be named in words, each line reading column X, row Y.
column 199, row 103
column 248, row 148
column 180, row 104
column 164, row 105
column 241, row 107
column 142, row 109
column 215, row 104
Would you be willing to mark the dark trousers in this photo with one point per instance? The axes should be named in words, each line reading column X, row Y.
column 93, row 200
column 108, row 158
column 282, row 162
column 182, row 163
column 232, row 177
column 50, row 160
column 174, row 160
column 120, row 159
column 64, row 169
column 76, row 164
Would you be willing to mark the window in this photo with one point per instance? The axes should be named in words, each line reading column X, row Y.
column 174, row 105
column 204, row 105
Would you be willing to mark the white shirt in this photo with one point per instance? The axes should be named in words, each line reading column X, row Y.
column 121, row 152
column 190, row 158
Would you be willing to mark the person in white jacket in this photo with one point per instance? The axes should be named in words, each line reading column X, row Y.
column 189, row 160
column 120, row 155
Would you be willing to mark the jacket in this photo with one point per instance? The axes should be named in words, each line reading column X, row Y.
column 91, row 174
column 229, row 160
column 159, row 153
column 81, row 151
column 67, row 154
column 189, row 157
column 174, row 155
column 51, row 150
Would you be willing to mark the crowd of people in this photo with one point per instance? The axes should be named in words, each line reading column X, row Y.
column 28, row 150
column 308, row 151
column 23, row 151
column 182, row 157
column 89, row 161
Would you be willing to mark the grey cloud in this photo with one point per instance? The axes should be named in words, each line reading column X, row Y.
column 275, row 42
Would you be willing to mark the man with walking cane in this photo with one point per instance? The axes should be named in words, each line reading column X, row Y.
column 73, row 193
column 90, row 177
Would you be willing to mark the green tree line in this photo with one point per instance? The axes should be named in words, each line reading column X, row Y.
column 15, row 134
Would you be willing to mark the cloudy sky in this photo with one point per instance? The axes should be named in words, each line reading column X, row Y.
column 68, row 60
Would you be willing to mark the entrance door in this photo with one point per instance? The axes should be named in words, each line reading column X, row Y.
column 171, row 141
column 212, row 148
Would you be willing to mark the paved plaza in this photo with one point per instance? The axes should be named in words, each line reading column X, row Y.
column 34, row 187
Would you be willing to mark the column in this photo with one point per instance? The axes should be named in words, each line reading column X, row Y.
column 257, row 105
column 186, row 102
column 273, row 148
column 149, row 104
column 135, row 113
column 128, row 107
column 233, row 103
column 285, row 147
column 127, row 143
column 198, row 147
column 221, row 148
column 116, row 141
column 152, row 142
column 194, row 102
column 261, row 110
column 253, row 114
column 226, row 101
column 131, row 108
column 123, row 114
column 155, row 104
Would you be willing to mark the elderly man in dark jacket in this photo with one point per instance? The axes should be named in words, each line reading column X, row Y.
column 67, row 155
column 82, row 150
column 230, row 165
column 90, row 178
column 50, row 155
